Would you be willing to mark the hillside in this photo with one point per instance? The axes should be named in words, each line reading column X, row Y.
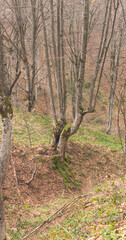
column 94, row 165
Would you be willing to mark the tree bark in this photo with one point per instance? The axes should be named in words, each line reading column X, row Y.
column 2, row 221
column 6, row 113
column 48, row 63
column 114, row 68
column 4, row 159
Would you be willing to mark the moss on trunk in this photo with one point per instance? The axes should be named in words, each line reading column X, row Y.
column 6, row 107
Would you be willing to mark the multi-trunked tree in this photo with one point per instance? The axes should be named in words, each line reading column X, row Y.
column 63, row 130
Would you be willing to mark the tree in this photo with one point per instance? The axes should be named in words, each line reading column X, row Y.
column 24, row 22
column 63, row 130
column 116, row 45
column 122, row 114
column 6, row 112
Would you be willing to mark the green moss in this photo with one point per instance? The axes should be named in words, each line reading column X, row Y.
column 65, row 170
column 57, row 129
column 41, row 160
column 6, row 107
column 82, row 109
column 66, row 131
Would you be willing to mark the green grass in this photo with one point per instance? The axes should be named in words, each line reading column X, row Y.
column 97, row 138
column 102, row 218
column 40, row 128
column 23, row 227
column 101, row 215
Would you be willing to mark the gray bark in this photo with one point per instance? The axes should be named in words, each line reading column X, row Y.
column 68, row 131
column 26, row 21
column 106, row 37
column 5, row 153
column 6, row 114
column 114, row 68
column 48, row 63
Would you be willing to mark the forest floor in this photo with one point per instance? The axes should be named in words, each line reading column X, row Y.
column 94, row 167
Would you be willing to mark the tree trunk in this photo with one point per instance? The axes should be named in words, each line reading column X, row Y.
column 62, row 146
column 4, row 158
column 2, row 221
column 125, row 149
column 57, row 130
column 6, row 113
column 31, row 101
column 48, row 63
column 109, row 121
column 69, row 130
column 114, row 67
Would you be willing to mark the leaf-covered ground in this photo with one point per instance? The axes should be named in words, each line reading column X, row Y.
column 102, row 216
column 94, row 159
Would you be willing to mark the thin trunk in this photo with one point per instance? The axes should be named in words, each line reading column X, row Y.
column 48, row 63
column 34, row 36
column 37, row 78
column 125, row 149
column 10, row 67
column 60, row 90
column 114, row 66
column 17, row 63
column 98, row 78
column 63, row 60
column 72, row 86
column 101, row 50
column 70, row 130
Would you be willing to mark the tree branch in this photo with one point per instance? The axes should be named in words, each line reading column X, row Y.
column 17, row 77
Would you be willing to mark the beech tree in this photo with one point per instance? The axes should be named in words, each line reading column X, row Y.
column 62, row 129
column 24, row 21
column 115, row 51
column 122, row 116
column 6, row 112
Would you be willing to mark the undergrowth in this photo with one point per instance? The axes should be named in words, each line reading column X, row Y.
column 97, row 138
column 103, row 217
column 41, row 128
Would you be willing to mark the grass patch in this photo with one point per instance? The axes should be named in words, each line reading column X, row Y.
column 41, row 128
column 97, row 138
column 102, row 219
column 38, row 125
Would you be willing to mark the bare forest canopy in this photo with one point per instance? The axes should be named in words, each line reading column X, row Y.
column 67, row 53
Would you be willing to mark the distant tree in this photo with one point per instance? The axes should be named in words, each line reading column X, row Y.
column 24, row 21
column 115, row 51
column 122, row 116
